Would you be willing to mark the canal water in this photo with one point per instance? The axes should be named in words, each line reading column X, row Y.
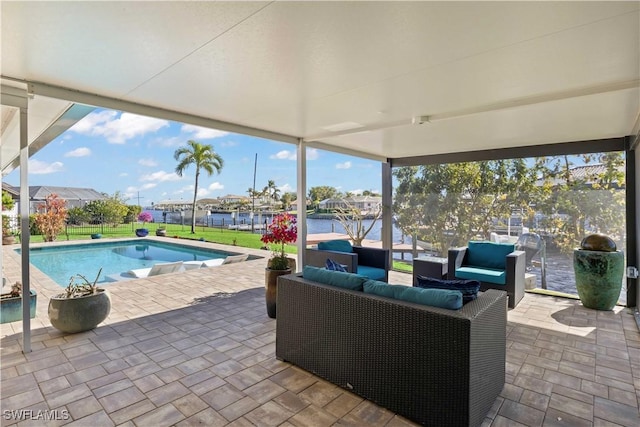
column 314, row 226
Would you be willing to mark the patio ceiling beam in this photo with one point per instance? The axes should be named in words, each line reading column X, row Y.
column 336, row 149
column 576, row 147
column 44, row 89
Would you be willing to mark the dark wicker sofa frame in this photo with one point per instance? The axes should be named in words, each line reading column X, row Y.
column 515, row 269
column 372, row 257
column 433, row 366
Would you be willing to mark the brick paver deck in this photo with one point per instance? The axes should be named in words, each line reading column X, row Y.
column 197, row 348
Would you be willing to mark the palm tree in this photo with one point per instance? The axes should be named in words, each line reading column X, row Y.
column 203, row 157
column 271, row 190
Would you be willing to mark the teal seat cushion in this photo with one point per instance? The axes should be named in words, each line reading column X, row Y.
column 443, row 298
column 373, row 273
column 499, row 277
column 488, row 254
column 336, row 245
column 383, row 289
column 334, row 278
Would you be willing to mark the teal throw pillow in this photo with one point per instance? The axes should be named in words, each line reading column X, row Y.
column 442, row 298
column 334, row 278
column 332, row 265
column 336, row 245
column 469, row 288
column 383, row 289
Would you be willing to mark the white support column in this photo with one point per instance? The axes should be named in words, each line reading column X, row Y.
column 387, row 224
column 24, row 231
column 301, row 172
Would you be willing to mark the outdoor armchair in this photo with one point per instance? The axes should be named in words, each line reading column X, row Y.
column 494, row 265
column 370, row 262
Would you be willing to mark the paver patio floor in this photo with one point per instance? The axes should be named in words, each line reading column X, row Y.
column 197, row 348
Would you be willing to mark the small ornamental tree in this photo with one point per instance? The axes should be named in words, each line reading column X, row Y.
column 145, row 217
column 51, row 216
column 282, row 230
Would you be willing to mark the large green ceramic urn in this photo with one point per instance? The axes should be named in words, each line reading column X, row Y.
column 599, row 269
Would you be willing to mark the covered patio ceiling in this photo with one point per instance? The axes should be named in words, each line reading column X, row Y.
column 345, row 76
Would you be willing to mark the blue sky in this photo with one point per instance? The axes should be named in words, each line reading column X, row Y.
column 111, row 151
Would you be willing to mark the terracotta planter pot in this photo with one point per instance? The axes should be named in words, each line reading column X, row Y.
column 271, row 284
column 73, row 315
column 271, row 289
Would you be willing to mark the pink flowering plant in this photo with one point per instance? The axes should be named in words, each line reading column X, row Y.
column 145, row 217
column 282, row 230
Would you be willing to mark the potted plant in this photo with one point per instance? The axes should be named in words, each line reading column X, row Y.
column 11, row 304
column 81, row 307
column 8, row 238
column 145, row 217
column 161, row 231
column 282, row 230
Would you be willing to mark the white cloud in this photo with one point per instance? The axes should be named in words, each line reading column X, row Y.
column 203, row 133
column 228, row 144
column 78, row 152
column 286, row 188
column 123, row 174
column 216, row 186
column 284, row 155
column 312, row 154
column 38, row 167
column 117, row 130
column 345, row 165
column 93, row 120
column 160, row 176
column 148, row 162
column 202, row 192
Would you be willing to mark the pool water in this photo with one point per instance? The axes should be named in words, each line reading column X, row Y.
column 60, row 263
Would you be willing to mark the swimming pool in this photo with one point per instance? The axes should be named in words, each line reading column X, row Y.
column 63, row 261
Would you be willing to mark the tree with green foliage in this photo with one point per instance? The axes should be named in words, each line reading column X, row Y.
column 77, row 216
column 581, row 204
column 449, row 204
column 287, row 198
column 203, row 157
column 111, row 210
column 320, row 193
column 271, row 190
column 132, row 213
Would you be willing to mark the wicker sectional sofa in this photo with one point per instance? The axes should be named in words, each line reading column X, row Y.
column 433, row 366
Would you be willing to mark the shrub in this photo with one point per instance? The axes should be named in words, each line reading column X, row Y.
column 51, row 217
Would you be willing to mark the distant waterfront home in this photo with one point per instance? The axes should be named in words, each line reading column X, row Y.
column 365, row 204
column 75, row 197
